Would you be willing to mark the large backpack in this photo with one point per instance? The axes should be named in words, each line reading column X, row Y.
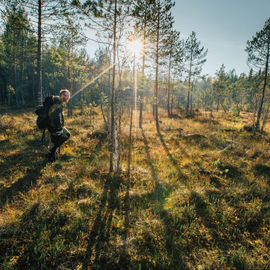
column 43, row 114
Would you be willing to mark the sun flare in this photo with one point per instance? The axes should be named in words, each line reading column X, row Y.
column 135, row 46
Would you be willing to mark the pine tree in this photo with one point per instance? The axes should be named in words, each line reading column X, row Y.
column 44, row 12
column 175, row 55
column 18, row 42
column 220, row 86
column 142, row 10
column 258, row 50
column 195, row 58
column 110, row 25
column 161, row 25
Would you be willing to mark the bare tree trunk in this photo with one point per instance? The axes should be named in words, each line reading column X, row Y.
column 189, row 84
column 39, row 55
column 14, row 71
column 143, row 67
column 112, row 92
column 118, row 141
column 70, row 80
column 22, row 72
column 263, row 90
column 156, row 78
column 116, row 154
column 191, row 107
column 169, row 87
column 265, row 118
column 109, row 98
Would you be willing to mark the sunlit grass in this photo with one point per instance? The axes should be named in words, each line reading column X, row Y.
column 197, row 197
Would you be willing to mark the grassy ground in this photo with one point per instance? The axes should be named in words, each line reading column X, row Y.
column 197, row 197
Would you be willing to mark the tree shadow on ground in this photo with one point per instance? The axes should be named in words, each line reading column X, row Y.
column 148, row 156
column 100, row 233
column 207, row 218
column 23, row 159
column 181, row 176
column 23, row 184
column 158, row 196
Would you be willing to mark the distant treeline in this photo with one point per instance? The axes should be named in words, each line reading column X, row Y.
column 42, row 49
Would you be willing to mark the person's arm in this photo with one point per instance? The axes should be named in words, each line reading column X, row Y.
column 55, row 117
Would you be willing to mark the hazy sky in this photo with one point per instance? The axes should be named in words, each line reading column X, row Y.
column 223, row 27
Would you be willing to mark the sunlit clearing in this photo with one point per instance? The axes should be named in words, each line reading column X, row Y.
column 134, row 46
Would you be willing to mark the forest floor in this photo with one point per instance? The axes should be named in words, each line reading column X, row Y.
column 197, row 196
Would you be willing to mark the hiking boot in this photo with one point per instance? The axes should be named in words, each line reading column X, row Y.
column 52, row 156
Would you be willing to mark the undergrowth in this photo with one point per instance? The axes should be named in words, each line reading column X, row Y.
column 197, row 197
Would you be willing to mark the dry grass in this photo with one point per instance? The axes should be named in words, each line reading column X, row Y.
column 197, row 197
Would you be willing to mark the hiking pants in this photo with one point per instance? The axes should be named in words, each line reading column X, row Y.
column 58, row 138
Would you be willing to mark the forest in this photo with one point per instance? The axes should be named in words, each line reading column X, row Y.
column 166, row 167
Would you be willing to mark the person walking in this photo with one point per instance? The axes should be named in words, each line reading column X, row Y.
column 58, row 133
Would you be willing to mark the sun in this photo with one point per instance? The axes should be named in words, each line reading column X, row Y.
column 135, row 47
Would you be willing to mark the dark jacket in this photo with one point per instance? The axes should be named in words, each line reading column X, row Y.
column 56, row 117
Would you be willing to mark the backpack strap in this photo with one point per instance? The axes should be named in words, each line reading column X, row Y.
column 43, row 136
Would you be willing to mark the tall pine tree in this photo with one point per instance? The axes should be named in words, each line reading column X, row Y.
column 258, row 50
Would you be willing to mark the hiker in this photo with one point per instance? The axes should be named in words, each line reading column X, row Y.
column 58, row 133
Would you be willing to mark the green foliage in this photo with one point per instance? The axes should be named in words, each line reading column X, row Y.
column 258, row 47
column 18, row 45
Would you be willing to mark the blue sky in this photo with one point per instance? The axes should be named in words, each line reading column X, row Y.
column 223, row 27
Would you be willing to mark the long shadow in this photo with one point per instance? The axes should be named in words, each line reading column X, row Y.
column 159, row 194
column 181, row 148
column 23, row 184
column 124, row 258
column 187, row 155
column 209, row 221
column 181, row 176
column 23, row 158
column 99, row 236
column 149, row 160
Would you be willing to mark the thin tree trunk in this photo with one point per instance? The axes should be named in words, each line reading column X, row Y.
column 156, row 78
column 172, row 100
column 191, row 107
column 189, row 83
column 265, row 118
column 15, row 71
column 143, row 67
column 117, row 128
column 113, row 86
column 109, row 98
column 118, row 140
column 39, row 55
column 169, row 87
column 70, row 73
column 22, row 73
column 263, row 91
